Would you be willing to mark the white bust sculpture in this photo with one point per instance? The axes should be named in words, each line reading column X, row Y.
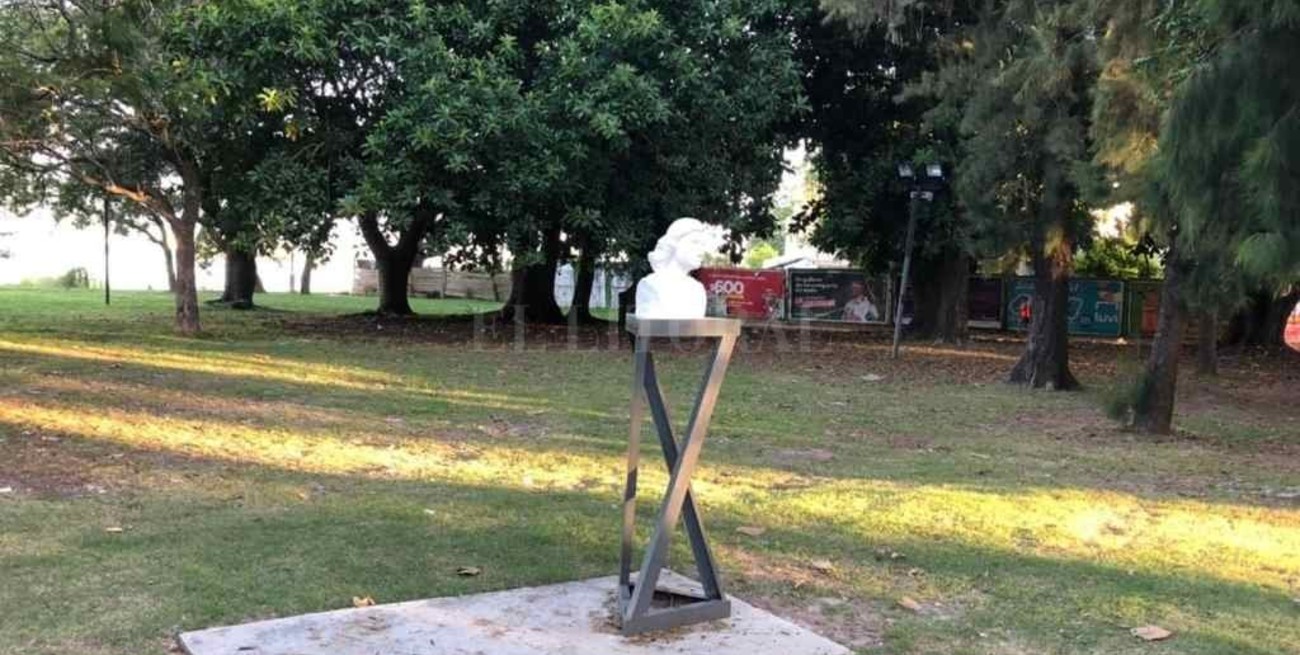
column 669, row 292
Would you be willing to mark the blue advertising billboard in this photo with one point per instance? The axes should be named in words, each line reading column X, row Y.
column 1096, row 306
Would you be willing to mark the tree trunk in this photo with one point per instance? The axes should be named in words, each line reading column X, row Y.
column 584, row 282
column 170, row 263
column 241, row 279
column 1154, row 410
column 939, row 306
column 304, row 282
column 394, row 284
column 1262, row 322
column 393, row 263
column 187, row 294
column 165, row 245
column 626, row 305
column 1279, row 312
column 532, row 292
column 1207, row 343
column 1045, row 363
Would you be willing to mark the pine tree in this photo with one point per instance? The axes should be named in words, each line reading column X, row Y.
column 1023, row 91
column 1197, row 121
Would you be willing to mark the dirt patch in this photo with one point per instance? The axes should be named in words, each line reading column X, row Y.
column 803, row 595
column 50, row 464
column 856, row 624
column 42, row 465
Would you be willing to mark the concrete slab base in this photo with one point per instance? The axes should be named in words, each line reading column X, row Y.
column 573, row 618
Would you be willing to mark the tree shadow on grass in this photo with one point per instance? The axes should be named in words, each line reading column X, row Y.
column 253, row 547
column 577, row 419
column 1063, row 603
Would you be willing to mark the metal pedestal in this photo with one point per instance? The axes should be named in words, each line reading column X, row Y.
column 643, row 606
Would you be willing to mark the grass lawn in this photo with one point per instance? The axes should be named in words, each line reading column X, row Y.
column 291, row 459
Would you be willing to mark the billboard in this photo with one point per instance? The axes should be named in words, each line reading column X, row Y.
column 1142, row 305
column 836, row 294
column 1292, row 335
column 743, row 293
column 1095, row 306
column 984, row 303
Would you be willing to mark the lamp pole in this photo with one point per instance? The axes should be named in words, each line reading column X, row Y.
column 921, row 190
column 107, row 298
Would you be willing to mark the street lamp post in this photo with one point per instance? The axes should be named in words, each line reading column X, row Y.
column 107, row 220
column 922, row 190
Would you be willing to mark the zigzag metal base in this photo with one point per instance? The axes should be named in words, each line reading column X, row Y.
column 643, row 606
column 669, row 609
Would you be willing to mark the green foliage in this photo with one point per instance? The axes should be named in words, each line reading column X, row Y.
column 863, row 123
column 1024, row 90
column 1117, row 258
column 510, row 122
column 1196, row 121
column 74, row 278
column 1231, row 145
column 894, row 15
column 759, row 253
column 140, row 101
column 1129, row 395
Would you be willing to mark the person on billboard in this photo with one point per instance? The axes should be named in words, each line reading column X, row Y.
column 772, row 305
column 860, row 308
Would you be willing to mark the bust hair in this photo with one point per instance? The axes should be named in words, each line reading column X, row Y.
column 663, row 253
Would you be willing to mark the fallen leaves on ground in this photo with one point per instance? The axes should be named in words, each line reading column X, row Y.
column 1151, row 633
column 363, row 601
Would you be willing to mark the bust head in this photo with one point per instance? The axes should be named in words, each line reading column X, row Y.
column 681, row 249
column 669, row 293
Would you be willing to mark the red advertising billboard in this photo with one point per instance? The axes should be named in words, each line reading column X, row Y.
column 744, row 293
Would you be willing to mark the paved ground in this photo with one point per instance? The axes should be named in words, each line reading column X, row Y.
column 571, row 618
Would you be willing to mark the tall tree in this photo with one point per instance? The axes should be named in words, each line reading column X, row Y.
column 1015, row 79
column 652, row 112
column 1139, row 74
column 862, row 125
column 90, row 102
column 269, row 165
column 1021, row 82
column 1232, row 143
column 1197, row 117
